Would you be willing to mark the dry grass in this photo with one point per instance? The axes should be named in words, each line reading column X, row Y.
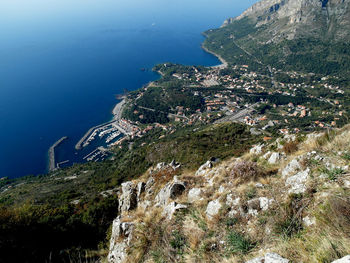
column 329, row 240
column 290, row 147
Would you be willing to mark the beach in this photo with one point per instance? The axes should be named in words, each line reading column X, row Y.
column 223, row 61
column 118, row 109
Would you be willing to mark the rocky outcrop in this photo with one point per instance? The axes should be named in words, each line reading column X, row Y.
column 257, row 149
column 128, row 199
column 170, row 191
column 293, row 167
column 294, row 18
column 120, row 240
column 140, row 189
column 297, row 183
column 269, row 258
column 194, row 195
column 345, row 259
column 171, row 209
column 204, row 168
column 213, row 209
column 274, row 158
column 251, row 208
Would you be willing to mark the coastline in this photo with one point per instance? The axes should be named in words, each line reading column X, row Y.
column 223, row 61
column 118, row 109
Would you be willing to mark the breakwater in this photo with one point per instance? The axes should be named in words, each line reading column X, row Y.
column 52, row 161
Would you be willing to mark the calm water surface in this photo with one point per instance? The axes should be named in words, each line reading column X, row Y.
column 62, row 62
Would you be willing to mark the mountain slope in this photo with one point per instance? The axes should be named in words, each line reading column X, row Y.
column 302, row 35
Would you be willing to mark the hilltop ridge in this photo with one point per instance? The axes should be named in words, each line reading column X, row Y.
column 301, row 35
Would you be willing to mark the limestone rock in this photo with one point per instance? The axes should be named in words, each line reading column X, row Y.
column 149, row 186
column 140, row 190
column 345, row 259
column 257, row 149
column 128, row 199
column 171, row 209
column 121, row 238
column 267, row 155
column 297, row 183
column 309, row 221
column 174, row 165
column 258, row 204
column 269, row 258
column 194, row 195
column 292, row 168
column 274, row 158
column 213, row 209
column 204, row 168
column 170, row 190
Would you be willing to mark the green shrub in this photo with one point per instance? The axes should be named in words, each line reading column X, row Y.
column 238, row 243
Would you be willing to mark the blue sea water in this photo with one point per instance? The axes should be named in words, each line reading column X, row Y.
column 62, row 62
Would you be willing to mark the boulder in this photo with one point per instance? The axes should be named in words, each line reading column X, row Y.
column 309, row 221
column 269, row 258
column 292, row 168
column 194, row 195
column 345, row 259
column 265, row 203
column 171, row 209
column 128, row 199
column 231, row 201
column 235, row 205
column 120, row 239
column 170, row 191
column 258, row 204
column 274, row 158
column 297, row 183
column 213, row 209
column 204, row 168
column 256, row 150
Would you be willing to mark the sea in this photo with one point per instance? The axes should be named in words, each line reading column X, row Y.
column 62, row 62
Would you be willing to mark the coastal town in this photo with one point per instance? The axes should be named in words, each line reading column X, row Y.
column 270, row 102
column 288, row 102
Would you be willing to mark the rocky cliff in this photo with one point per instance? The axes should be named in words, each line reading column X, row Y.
column 284, row 201
column 288, row 19
column 299, row 35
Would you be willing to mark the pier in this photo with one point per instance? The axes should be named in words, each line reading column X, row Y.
column 52, row 164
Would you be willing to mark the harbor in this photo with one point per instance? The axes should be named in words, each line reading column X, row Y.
column 106, row 135
column 52, row 161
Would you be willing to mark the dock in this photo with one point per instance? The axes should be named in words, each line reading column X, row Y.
column 52, row 164
column 78, row 146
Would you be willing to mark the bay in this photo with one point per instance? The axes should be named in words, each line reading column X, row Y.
column 62, row 62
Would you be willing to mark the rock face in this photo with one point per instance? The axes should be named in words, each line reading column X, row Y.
column 269, row 258
column 170, row 191
column 171, row 209
column 257, row 149
column 297, row 183
column 120, row 240
column 294, row 18
column 204, row 168
column 293, row 167
column 274, row 158
column 213, row 209
column 194, row 195
column 128, row 199
column 345, row 259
